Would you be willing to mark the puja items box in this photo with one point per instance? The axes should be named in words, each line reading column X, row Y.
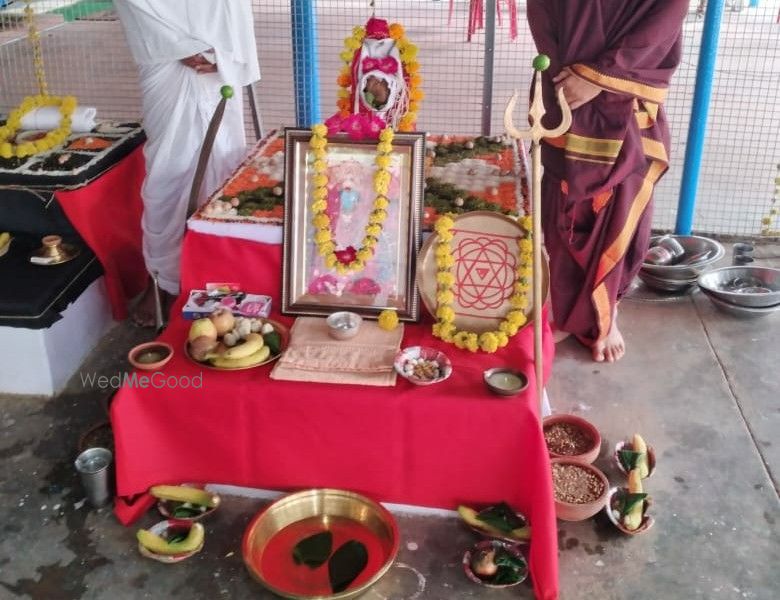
column 201, row 303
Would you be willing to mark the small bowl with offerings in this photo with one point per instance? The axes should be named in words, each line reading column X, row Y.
column 495, row 564
column 422, row 366
column 499, row 522
column 627, row 506
column 635, row 454
column 184, row 502
column 570, row 436
column 171, row 541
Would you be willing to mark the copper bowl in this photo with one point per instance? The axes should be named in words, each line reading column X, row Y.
column 571, row 511
column 273, row 532
column 585, row 427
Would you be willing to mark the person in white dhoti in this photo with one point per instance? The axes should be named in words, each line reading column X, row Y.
column 185, row 51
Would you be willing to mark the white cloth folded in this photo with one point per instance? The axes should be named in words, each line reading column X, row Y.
column 48, row 117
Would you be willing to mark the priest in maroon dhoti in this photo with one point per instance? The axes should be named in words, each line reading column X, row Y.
column 614, row 60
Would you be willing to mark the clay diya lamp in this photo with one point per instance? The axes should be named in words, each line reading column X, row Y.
column 613, row 508
column 505, row 381
column 185, row 511
column 569, row 436
column 150, row 356
column 580, row 489
column 168, row 530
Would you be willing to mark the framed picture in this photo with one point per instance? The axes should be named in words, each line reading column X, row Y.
column 311, row 283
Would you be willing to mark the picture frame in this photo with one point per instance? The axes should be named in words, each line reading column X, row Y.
column 388, row 279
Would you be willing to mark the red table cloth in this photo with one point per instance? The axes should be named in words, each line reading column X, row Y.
column 437, row 446
column 107, row 214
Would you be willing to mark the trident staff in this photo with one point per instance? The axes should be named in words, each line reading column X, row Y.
column 536, row 132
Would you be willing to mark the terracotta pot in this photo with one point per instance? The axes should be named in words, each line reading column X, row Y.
column 162, row 350
column 626, row 445
column 569, row 511
column 586, row 427
column 647, row 520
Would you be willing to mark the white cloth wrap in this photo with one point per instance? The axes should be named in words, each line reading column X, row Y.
column 49, row 117
column 178, row 104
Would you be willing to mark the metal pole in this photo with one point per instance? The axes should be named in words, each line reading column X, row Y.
column 489, row 59
column 698, row 125
column 305, row 63
column 254, row 109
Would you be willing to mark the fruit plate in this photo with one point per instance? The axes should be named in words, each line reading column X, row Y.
column 283, row 332
column 163, row 528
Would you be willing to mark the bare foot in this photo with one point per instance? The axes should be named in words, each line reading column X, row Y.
column 611, row 347
column 144, row 313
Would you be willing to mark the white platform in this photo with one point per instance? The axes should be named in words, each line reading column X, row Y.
column 41, row 361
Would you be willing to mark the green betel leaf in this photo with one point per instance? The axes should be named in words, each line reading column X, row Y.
column 628, row 459
column 346, row 564
column 274, row 342
column 314, row 550
column 629, row 501
column 502, row 517
column 511, row 569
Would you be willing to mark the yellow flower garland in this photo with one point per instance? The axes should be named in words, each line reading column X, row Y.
column 323, row 236
column 408, row 52
column 445, row 328
column 67, row 105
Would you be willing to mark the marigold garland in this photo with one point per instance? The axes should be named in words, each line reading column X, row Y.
column 445, row 328
column 8, row 149
column 408, row 52
column 348, row 259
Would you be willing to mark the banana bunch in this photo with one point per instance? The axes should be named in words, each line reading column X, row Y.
column 159, row 545
column 5, row 238
column 253, row 351
column 638, row 445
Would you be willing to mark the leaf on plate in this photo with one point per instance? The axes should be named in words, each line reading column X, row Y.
column 628, row 501
column 314, row 550
column 346, row 564
column 628, row 459
column 502, row 517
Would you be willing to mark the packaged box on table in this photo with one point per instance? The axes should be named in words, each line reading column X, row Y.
column 202, row 303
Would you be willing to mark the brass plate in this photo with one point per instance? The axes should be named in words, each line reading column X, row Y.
column 271, row 535
column 483, row 236
column 284, row 333
column 68, row 253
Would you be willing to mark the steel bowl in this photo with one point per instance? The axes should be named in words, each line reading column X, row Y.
column 699, row 256
column 272, row 533
column 742, row 312
column 753, row 287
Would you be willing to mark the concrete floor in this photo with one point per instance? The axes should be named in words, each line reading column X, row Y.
column 701, row 386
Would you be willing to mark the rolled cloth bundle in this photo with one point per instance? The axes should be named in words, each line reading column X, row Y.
column 48, row 117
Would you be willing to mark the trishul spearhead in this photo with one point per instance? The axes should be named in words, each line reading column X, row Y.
column 536, row 132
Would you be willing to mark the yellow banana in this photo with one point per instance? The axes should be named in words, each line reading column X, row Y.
column 252, row 343
column 470, row 516
column 158, row 545
column 633, row 518
column 5, row 237
column 638, row 445
column 237, row 363
column 183, row 493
